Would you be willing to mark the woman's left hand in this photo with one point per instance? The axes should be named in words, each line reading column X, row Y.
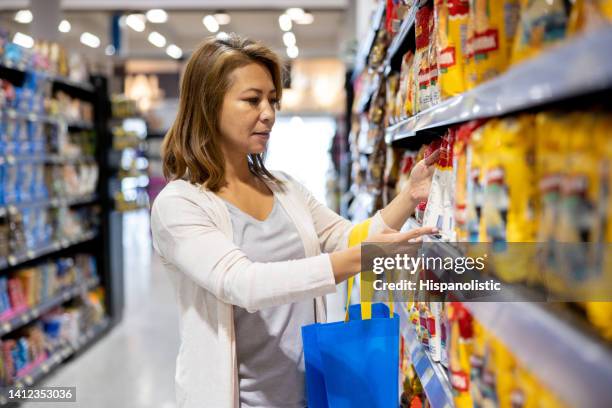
column 419, row 182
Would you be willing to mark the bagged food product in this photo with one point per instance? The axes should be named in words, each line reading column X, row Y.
column 552, row 130
column 423, row 24
column 408, row 161
column 439, row 212
column 541, row 24
column 432, row 55
column 392, row 168
column 403, row 101
column 390, row 99
column 505, row 366
column 462, row 170
column 459, row 354
column 450, row 36
column 508, row 213
column 491, row 29
column 477, row 363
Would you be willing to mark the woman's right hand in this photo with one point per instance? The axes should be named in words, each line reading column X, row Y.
column 347, row 262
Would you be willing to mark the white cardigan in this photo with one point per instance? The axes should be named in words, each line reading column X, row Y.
column 192, row 233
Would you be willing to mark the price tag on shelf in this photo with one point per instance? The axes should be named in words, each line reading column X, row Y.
column 29, row 380
column 12, row 260
column 32, row 117
column 10, row 159
column 45, row 368
column 35, row 312
column 12, row 113
column 6, row 327
column 57, row 245
column 24, row 318
column 31, row 254
column 419, row 355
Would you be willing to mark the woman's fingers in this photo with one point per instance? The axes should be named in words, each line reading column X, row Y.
column 415, row 233
column 432, row 158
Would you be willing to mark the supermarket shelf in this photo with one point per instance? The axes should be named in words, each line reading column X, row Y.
column 12, row 113
column 20, row 68
column 400, row 38
column 80, row 125
column 575, row 68
column 14, row 260
column 28, row 316
column 45, row 158
column 368, row 93
column 548, row 344
column 432, row 374
column 50, row 203
column 61, row 354
column 361, row 60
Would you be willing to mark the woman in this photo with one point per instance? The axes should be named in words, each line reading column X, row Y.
column 251, row 253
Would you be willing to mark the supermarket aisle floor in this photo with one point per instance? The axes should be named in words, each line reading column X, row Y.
column 133, row 366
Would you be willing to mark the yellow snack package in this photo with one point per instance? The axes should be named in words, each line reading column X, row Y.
column 541, row 24
column 505, row 366
column 491, row 32
column 405, row 96
column 452, row 19
column 460, row 350
column 390, row 99
column 477, row 364
column 526, row 389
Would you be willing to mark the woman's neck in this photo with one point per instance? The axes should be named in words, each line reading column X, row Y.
column 237, row 169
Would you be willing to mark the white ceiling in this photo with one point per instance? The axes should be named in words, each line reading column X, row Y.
column 326, row 37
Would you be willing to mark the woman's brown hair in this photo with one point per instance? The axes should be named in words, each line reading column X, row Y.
column 191, row 147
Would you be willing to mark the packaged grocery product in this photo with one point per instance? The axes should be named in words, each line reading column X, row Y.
column 450, row 36
column 508, row 202
column 462, row 170
column 404, row 104
column 392, row 171
column 490, row 33
column 432, row 55
column 505, row 366
column 541, row 24
column 390, row 96
column 440, row 208
column 460, row 351
column 435, row 331
column 477, row 363
column 407, row 163
column 423, row 24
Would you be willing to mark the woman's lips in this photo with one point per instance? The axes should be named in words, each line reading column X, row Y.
column 262, row 135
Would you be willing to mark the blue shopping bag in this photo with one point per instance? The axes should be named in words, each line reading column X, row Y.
column 354, row 363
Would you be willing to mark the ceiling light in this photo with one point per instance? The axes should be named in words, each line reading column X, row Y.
column 90, row 40
column 222, row 35
column 157, row 16
column 23, row 40
column 64, row 26
column 222, row 18
column 174, row 51
column 210, row 23
column 307, row 18
column 157, row 39
column 110, row 50
column 293, row 52
column 24, row 16
column 284, row 21
column 295, row 13
column 289, row 39
column 136, row 22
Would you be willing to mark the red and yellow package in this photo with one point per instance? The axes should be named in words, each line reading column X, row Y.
column 490, row 33
column 541, row 24
column 452, row 18
column 423, row 23
column 505, row 366
column 460, row 351
column 432, row 55
column 585, row 15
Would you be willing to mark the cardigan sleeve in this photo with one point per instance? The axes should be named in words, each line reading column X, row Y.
column 332, row 229
column 185, row 237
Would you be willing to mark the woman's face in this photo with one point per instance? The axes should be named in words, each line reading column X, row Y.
column 248, row 110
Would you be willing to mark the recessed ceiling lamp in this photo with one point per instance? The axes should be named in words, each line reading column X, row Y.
column 293, row 52
column 210, row 23
column 136, row 22
column 23, row 40
column 295, row 13
column 174, row 51
column 24, row 16
column 289, row 39
column 157, row 16
column 306, row 19
column 157, row 39
column 222, row 18
column 64, row 26
column 90, row 40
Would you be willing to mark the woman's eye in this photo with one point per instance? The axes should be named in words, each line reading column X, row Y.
column 274, row 102
column 253, row 101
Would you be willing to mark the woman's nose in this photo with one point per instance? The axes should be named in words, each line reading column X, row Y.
column 267, row 114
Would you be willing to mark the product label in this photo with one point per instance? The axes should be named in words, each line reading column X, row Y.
column 446, row 58
column 485, row 41
column 459, row 380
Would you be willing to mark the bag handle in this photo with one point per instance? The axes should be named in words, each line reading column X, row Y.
column 358, row 234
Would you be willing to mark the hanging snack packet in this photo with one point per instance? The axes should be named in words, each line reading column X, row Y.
column 423, row 22
column 390, row 99
column 434, row 83
column 491, row 32
column 505, row 365
column 541, row 24
column 440, row 204
column 451, row 17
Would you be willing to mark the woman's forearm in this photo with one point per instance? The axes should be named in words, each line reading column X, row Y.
column 399, row 209
column 346, row 263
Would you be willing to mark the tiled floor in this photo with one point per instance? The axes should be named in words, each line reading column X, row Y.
column 133, row 366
